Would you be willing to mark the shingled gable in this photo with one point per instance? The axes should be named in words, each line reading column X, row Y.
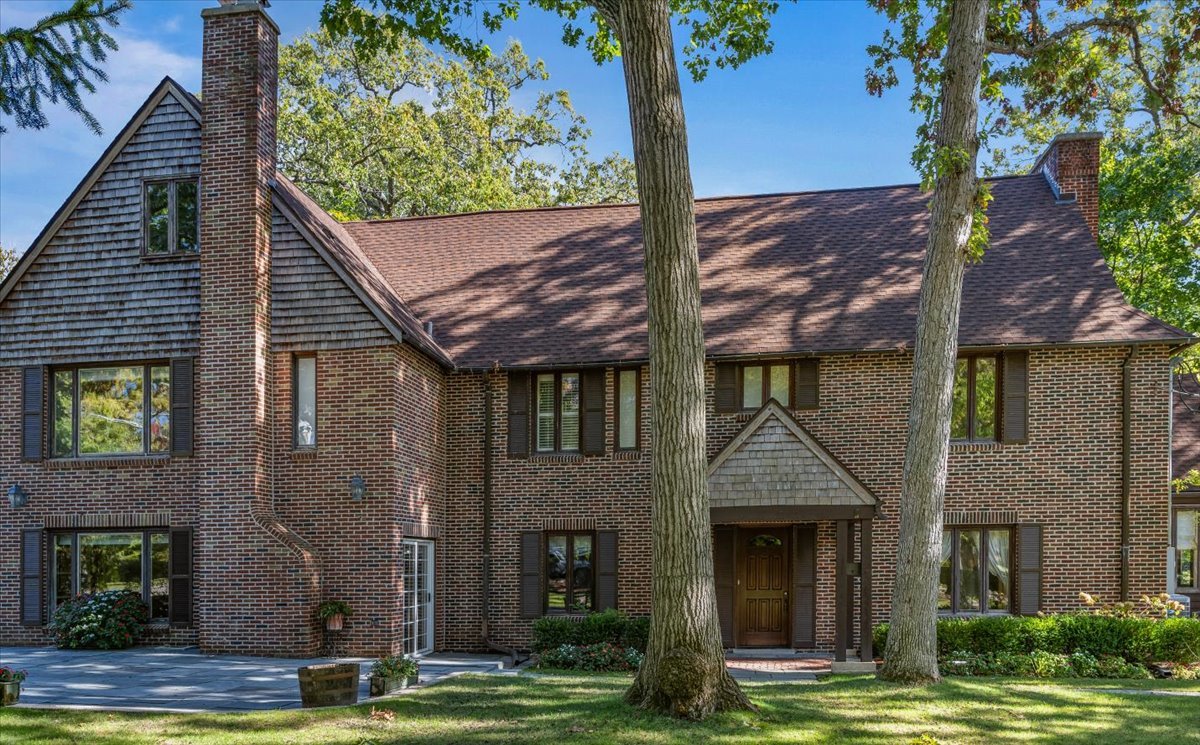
column 774, row 462
column 166, row 87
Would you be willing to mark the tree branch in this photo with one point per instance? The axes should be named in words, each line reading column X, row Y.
column 1027, row 50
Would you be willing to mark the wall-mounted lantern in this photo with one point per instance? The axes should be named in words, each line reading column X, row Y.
column 358, row 488
column 17, row 496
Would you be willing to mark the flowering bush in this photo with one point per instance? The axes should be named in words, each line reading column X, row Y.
column 11, row 675
column 105, row 620
column 395, row 666
column 602, row 657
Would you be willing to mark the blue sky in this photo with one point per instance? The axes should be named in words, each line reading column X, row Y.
column 799, row 119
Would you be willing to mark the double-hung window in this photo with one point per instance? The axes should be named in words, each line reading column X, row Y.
column 91, row 562
column 570, row 579
column 557, row 410
column 976, row 403
column 976, row 573
column 628, row 408
column 1187, row 539
column 172, row 217
column 115, row 410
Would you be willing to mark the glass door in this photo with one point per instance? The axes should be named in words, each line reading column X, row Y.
column 416, row 570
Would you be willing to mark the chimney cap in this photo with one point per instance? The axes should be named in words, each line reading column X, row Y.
column 256, row 3
column 1059, row 139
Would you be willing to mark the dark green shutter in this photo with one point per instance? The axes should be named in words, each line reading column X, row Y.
column 182, row 398
column 1029, row 567
column 518, row 414
column 725, row 394
column 724, row 573
column 33, row 436
column 531, row 574
column 606, row 569
column 180, row 571
column 804, row 588
column 1015, row 405
column 31, row 577
column 808, row 384
column 592, row 405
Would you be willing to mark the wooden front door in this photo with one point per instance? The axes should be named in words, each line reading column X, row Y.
column 764, row 578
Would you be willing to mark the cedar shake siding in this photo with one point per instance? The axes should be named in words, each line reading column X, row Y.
column 428, row 336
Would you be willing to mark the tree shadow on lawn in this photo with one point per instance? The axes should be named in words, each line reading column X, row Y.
column 583, row 709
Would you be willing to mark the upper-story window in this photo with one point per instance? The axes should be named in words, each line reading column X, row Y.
column 976, row 573
column 556, row 399
column 975, row 401
column 304, row 401
column 761, row 383
column 116, row 410
column 172, row 211
column 629, row 396
column 742, row 387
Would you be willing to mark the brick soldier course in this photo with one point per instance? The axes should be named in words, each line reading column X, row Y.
column 429, row 336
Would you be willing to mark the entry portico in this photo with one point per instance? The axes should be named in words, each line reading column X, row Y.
column 776, row 494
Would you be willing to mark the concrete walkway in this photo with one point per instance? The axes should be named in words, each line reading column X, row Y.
column 184, row 680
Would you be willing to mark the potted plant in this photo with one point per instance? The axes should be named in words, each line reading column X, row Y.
column 393, row 673
column 10, row 685
column 334, row 614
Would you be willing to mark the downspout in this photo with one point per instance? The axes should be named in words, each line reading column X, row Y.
column 1126, row 444
column 485, row 629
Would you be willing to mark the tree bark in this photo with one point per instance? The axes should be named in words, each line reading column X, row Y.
column 684, row 670
column 911, row 654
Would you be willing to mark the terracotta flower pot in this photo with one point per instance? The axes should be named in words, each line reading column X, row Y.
column 335, row 622
column 10, row 693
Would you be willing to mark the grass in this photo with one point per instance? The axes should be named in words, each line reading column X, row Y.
column 581, row 709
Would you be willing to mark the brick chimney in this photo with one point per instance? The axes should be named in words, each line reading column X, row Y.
column 241, row 572
column 1071, row 164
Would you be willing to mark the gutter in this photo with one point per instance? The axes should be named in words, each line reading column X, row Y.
column 1126, row 444
column 485, row 587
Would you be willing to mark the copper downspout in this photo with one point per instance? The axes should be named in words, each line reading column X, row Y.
column 485, row 629
column 1126, row 437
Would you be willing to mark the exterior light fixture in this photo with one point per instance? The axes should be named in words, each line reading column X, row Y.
column 358, row 488
column 17, row 496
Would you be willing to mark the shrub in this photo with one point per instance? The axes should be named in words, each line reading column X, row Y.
column 1168, row 640
column 105, row 620
column 607, row 627
column 1041, row 664
column 594, row 657
column 395, row 666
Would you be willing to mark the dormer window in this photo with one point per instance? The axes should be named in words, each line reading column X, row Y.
column 172, row 225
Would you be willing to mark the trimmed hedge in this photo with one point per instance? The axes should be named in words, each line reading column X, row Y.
column 1140, row 640
column 1042, row 665
column 603, row 657
column 607, row 627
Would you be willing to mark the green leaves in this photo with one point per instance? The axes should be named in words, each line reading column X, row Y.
column 397, row 130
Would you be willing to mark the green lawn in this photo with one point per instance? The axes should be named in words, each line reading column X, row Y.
column 577, row 709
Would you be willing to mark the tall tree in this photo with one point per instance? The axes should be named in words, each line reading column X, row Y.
column 400, row 130
column 55, row 59
column 684, row 671
column 1022, row 48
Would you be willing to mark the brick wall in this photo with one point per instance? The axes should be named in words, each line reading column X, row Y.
column 1067, row 478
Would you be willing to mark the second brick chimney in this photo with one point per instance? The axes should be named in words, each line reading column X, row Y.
column 1071, row 163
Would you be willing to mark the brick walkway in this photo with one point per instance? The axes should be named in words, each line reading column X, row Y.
column 778, row 670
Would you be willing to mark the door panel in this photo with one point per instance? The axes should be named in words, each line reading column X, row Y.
column 764, row 579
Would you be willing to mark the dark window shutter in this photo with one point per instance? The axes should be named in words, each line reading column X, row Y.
column 531, row 574
column 180, row 569
column 1015, row 405
column 724, row 570
column 808, row 384
column 606, row 569
column 592, row 390
column 1029, row 566
column 33, row 384
column 31, row 577
column 804, row 589
column 726, row 393
column 182, row 397
column 518, row 414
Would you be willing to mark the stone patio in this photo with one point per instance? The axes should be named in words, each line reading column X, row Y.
column 184, row 680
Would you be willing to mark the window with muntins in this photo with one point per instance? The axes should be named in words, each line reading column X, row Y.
column 172, row 211
column 761, row 383
column 83, row 563
column 976, row 571
column 570, row 575
column 976, row 403
column 111, row 411
column 304, row 401
column 557, row 422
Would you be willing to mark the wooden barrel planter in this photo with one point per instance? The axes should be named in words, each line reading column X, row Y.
column 334, row 684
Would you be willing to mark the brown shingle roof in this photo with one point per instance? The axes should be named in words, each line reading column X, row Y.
column 1185, row 430
column 821, row 271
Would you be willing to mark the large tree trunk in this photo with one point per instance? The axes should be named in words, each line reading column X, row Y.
column 911, row 654
column 684, row 671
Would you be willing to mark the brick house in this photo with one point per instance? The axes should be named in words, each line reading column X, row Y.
column 220, row 397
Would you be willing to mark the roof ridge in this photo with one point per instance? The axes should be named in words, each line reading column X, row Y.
column 610, row 205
